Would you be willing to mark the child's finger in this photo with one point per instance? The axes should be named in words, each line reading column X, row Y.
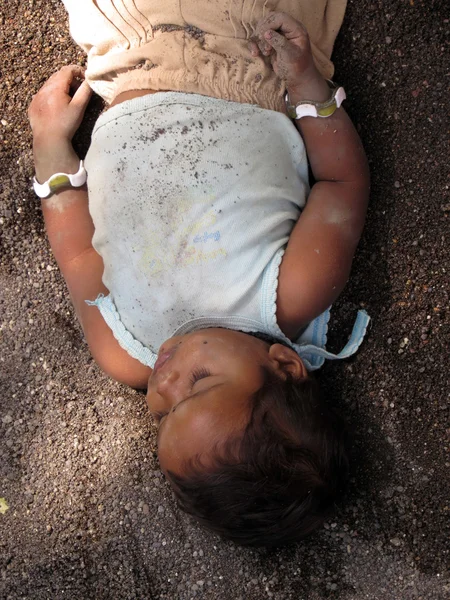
column 63, row 78
column 278, row 42
column 253, row 47
column 260, row 45
column 82, row 95
column 282, row 22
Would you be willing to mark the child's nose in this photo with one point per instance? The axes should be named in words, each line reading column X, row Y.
column 166, row 386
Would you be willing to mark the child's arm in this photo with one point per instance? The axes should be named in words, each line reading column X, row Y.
column 318, row 257
column 54, row 117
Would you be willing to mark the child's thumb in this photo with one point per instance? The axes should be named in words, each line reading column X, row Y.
column 82, row 95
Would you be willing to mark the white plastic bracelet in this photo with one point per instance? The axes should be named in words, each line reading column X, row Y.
column 60, row 180
column 308, row 108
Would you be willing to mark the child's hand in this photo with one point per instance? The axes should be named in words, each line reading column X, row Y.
column 56, row 111
column 286, row 41
column 55, row 114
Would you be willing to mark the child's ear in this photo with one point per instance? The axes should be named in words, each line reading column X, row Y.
column 287, row 362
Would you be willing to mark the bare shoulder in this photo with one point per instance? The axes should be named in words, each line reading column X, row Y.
column 317, row 260
column 297, row 300
column 110, row 356
column 83, row 275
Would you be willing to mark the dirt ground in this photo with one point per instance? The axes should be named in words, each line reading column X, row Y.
column 90, row 515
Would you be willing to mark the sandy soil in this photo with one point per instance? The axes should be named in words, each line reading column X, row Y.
column 90, row 515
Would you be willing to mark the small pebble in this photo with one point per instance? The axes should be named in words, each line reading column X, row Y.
column 397, row 184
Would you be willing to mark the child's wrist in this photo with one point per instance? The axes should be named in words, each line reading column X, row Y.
column 314, row 88
column 57, row 156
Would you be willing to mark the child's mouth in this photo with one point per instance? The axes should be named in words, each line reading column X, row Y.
column 162, row 359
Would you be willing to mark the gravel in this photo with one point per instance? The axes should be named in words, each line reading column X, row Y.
column 89, row 515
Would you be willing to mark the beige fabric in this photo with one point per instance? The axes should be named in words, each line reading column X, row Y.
column 197, row 46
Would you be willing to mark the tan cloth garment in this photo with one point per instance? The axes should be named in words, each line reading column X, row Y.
column 196, row 46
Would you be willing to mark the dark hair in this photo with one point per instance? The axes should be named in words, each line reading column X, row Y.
column 275, row 483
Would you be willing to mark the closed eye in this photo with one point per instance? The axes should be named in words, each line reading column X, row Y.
column 199, row 374
column 158, row 417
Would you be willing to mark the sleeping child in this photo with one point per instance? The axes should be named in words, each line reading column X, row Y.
column 200, row 262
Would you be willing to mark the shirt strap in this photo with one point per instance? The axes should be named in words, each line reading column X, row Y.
column 354, row 342
column 126, row 340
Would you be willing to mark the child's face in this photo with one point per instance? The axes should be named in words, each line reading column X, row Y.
column 200, row 387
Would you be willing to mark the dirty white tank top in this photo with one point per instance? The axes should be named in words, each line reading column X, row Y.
column 193, row 200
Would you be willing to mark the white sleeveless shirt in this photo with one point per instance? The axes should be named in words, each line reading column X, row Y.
column 193, row 200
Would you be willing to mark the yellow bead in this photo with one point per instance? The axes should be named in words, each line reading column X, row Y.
column 328, row 111
column 58, row 181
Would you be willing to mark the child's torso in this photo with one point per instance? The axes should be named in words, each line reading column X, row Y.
column 192, row 199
